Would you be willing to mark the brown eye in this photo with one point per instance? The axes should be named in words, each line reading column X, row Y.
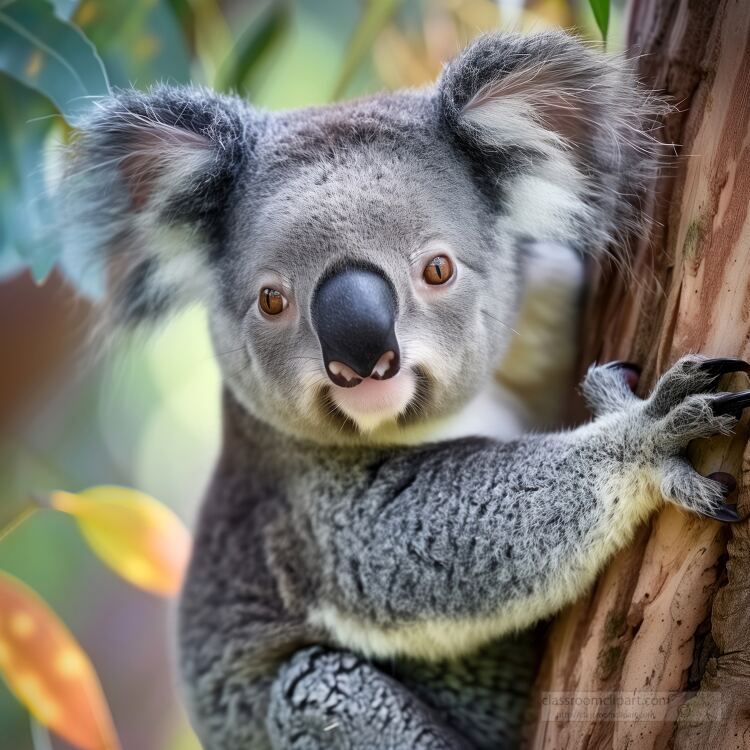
column 271, row 301
column 438, row 270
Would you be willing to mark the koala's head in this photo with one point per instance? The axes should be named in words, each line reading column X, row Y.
column 362, row 263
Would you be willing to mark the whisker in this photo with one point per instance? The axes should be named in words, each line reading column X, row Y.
column 229, row 351
column 502, row 323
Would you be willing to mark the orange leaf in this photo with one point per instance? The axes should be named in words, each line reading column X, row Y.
column 49, row 672
column 138, row 537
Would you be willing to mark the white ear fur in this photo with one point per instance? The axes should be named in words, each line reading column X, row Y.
column 162, row 153
column 576, row 126
column 163, row 158
column 549, row 106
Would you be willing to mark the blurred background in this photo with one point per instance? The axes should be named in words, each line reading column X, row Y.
column 146, row 414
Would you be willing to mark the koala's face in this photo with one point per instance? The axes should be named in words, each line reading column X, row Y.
column 365, row 287
column 361, row 263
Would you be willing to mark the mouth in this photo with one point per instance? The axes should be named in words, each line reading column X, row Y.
column 373, row 402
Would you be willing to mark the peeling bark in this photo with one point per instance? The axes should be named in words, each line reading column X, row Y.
column 644, row 629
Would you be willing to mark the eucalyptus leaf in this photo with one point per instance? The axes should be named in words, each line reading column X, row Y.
column 51, row 56
column 27, row 217
column 601, row 15
column 140, row 40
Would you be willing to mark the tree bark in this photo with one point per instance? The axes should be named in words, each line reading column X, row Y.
column 670, row 618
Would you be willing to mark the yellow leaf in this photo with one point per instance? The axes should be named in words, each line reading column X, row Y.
column 49, row 672
column 139, row 538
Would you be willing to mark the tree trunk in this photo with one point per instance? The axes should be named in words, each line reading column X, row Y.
column 668, row 623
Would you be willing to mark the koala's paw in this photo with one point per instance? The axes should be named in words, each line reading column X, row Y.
column 657, row 430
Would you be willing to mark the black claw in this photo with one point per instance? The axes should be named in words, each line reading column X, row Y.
column 731, row 403
column 723, row 366
column 726, row 513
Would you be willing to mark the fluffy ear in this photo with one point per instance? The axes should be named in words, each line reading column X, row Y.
column 555, row 102
column 147, row 186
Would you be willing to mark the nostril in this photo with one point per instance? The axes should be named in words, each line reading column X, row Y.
column 386, row 367
column 343, row 375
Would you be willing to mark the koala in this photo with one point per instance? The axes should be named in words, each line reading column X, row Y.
column 392, row 287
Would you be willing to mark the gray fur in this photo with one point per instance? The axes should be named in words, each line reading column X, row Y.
column 345, row 591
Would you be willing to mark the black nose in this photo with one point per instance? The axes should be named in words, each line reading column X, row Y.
column 354, row 312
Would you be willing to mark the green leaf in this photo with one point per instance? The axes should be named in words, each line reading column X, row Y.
column 27, row 217
column 601, row 15
column 376, row 15
column 141, row 42
column 50, row 55
column 255, row 46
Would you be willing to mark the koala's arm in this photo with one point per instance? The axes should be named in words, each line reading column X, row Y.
column 451, row 544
